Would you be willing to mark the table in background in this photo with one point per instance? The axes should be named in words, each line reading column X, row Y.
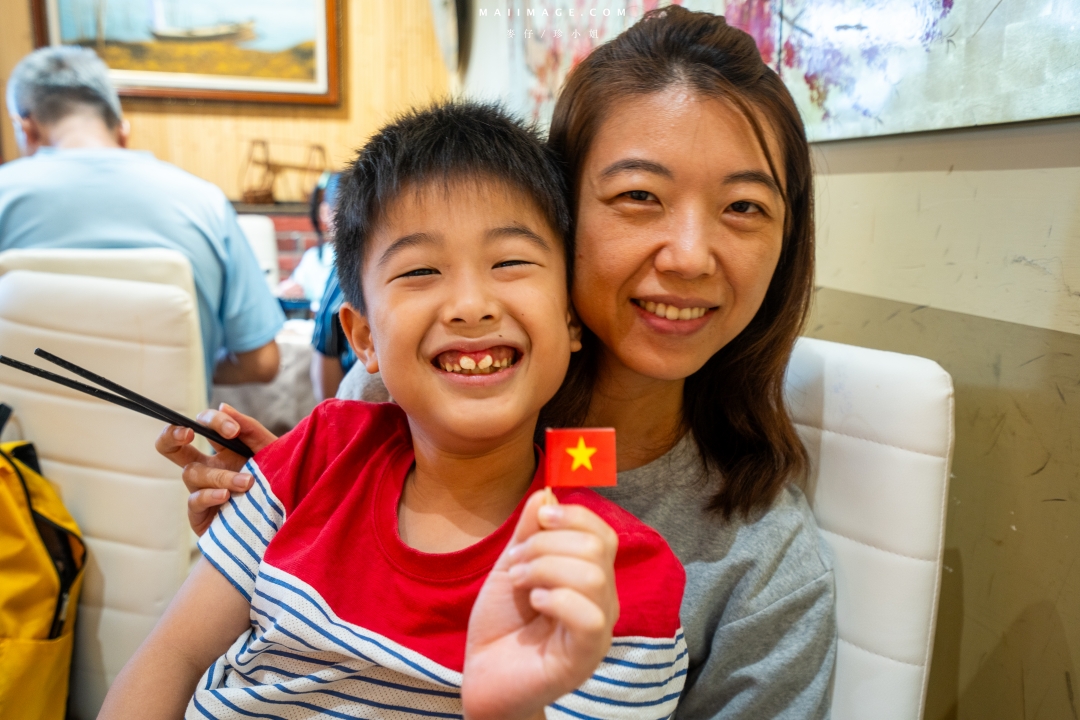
column 289, row 398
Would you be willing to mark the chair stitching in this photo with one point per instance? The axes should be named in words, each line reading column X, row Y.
column 875, row 442
column 887, row 657
column 875, row 547
column 82, row 336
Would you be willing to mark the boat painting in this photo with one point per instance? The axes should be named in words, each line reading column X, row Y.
column 267, row 50
column 221, row 31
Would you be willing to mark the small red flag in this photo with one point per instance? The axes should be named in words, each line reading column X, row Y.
column 579, row 457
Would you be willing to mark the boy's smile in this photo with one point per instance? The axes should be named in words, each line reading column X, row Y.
column 477, row 362
column 467, row 318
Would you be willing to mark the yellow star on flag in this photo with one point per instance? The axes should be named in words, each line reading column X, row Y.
column 581, row 455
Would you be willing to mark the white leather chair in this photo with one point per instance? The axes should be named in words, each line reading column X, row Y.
column 879, row 429
column 260, row 233
column 127, row 500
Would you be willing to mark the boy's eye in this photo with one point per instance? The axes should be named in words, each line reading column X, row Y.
column 640, row 195
column 745, row 207
column 511, row 263
column 420, row 272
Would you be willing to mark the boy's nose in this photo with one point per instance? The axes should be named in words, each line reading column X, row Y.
column 471, row 304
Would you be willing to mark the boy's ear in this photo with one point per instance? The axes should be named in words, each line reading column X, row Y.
column 573, row 323
column 358, row 331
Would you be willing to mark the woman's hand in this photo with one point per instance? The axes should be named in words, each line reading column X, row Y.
column 544, row 617
column 210, row 478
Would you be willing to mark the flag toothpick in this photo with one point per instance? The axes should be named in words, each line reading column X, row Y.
column 580, row 457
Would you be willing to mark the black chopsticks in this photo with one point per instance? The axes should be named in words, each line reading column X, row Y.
column 124, row 398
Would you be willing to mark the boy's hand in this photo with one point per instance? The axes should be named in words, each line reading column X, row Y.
column 210, row 478
column 544, row 617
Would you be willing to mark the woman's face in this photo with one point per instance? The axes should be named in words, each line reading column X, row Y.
column 679, row 230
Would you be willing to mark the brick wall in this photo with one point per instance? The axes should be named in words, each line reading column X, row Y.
column 294, row 235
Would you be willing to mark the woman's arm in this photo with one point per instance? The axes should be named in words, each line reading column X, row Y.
column 207, row 615
column 776, row 663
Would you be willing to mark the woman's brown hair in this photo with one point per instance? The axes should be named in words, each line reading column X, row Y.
column 734, row 404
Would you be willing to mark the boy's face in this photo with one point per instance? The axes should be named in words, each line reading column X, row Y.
column 468, row 316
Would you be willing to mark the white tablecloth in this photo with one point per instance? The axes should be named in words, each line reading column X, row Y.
column 282, row 403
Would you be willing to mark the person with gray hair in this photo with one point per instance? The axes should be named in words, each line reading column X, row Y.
column 77, row 186
column 63, row 91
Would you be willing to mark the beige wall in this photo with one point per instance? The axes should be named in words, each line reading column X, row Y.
column 964, row 247
column 390, row 61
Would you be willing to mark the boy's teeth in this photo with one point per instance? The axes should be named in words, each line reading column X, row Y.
column 670, row 312
column 476, row 363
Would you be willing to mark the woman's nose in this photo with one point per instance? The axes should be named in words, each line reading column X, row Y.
column 689, row 250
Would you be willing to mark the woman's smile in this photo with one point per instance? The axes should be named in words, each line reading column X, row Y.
column 674, row 316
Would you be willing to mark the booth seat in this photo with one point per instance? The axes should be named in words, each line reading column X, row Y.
column 128, row 500
column 879, row 430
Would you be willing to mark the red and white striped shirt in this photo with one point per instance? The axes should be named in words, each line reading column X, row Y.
column 347, row 621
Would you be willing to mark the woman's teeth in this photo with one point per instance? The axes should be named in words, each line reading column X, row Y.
column 671, row 312
column 468, row 366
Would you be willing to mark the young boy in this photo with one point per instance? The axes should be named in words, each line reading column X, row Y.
column 397, row 561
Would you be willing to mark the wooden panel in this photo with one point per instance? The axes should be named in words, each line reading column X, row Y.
column 390, row 62
column 15, row 41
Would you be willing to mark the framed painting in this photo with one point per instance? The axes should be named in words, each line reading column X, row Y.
column 281, row 51
column 859, row 68
column 856, row 68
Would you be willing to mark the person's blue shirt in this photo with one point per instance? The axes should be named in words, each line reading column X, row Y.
column 111, row 198
column 329, row 337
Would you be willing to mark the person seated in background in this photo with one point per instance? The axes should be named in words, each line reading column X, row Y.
column 333, row 357
column 77, row 186
column 308, row 280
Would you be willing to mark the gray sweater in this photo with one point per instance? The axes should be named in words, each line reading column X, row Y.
column 759, row 608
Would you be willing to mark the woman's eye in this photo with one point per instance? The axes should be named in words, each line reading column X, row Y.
column 640, row 195
column 420, row 272
column 745, row 206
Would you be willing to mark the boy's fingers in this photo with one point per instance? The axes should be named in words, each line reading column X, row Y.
column 174, row 443
column 570, row 543
column 578, row 517
column 553, row 571
column 578, row 614
column 527, row 525
column 202, row 506
column 219, row 422
column 199, row 476
column 249, row 430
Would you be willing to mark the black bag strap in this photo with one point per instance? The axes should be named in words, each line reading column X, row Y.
column 5, row 414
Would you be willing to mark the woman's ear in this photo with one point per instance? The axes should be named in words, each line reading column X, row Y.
column 358, row 331
column 573, row 323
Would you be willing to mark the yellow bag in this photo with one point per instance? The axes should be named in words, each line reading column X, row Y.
column 41, row 561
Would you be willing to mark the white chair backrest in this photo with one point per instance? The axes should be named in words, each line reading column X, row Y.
column 879, row 430
column 128, row 501
column 152, row 265
column 260, row 233
column 156, row 265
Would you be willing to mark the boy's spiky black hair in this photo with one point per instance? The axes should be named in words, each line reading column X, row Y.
column 444, row 143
